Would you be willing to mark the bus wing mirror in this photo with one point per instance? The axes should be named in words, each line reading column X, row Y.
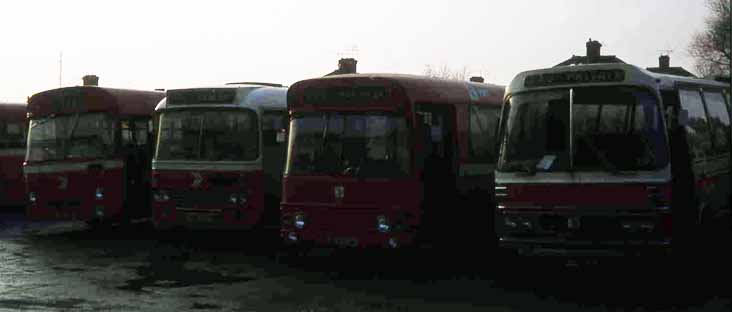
column 281, row 136
column 683, row 117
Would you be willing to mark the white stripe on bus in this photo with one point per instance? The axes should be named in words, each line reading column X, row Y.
column 13, row 152
column 75, row 166
column 207, row 165
column 599, row 177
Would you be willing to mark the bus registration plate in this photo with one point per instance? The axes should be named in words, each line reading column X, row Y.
column 199, row 217
column 344, row 241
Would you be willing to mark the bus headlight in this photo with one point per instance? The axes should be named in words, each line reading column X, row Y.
column 238, row 199
column 32, row 197
column 510, row 223
column 99, row 193
column 161, row 196
column 521, row 223
column 299, row 221
column 382, row 225
column 99, row 211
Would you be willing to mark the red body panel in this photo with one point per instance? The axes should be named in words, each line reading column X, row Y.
column 584, row 219
column 12, row 188
column 194, row 194
column 615, row 196
column 95, row 99
column 354, row 215
column 69, row 191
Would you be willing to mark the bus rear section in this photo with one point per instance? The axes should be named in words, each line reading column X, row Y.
column 366, row 155
column 586, row 168
column 88, row 153
column 219, row 157
column 12, row 152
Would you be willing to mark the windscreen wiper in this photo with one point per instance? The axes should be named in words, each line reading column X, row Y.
column 39, row 122
column 526, row 168
column 606, row 163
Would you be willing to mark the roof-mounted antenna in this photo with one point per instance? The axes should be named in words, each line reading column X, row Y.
column 348, row 52
column 666, row 52
column 60, row 67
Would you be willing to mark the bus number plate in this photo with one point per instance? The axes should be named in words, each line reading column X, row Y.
column 199, row 217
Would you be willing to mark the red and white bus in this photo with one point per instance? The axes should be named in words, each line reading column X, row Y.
column 88, row 153
column 219, row 157
column 611, row 159
column 12, row 151
column 388, row 160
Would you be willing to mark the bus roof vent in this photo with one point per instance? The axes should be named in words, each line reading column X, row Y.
column 256, row 83
column 91, row 80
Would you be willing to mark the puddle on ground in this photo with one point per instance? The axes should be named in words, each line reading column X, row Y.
column 24, row 304
column 69, row 269
column 205, row 306
column 174, row 275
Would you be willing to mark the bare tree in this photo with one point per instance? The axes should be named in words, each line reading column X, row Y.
column 445, row 72
column 711, row 47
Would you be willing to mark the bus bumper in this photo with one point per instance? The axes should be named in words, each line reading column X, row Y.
column 584, row 248
column 346, row 240
column 214, row 219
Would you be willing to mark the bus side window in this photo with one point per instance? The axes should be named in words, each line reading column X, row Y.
column 141, row 131
column 134, row 132
column 12, row 135
column 697, row 127
column 126, row 132
column 483, row 128
column 718, row 121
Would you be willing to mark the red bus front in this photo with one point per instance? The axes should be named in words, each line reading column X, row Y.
column 74, row 174
column 207, row 171
column 349, row 179
column 584, row 171
column 87, row 154
column 12, row 153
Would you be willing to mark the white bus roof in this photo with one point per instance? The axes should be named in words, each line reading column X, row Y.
column 599, row 75
column 248, row 95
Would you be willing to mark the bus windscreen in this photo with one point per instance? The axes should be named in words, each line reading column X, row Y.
column 613, row 129
column 84, row 135
column 356, row 144
column 198, row 135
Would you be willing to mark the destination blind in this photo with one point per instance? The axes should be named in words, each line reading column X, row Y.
column 574, row 77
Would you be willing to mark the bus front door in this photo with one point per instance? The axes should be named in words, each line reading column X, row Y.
column 436, row 127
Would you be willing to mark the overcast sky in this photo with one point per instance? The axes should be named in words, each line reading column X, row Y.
column 170, row 44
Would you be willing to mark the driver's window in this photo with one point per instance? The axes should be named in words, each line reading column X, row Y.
column 697, row 127
column 274, row 127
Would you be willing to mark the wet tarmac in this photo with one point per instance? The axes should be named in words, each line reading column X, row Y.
column 65, row 266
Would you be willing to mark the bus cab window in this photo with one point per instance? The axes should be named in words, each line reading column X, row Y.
column 134, row 132
column 273, row 126
column 483, row 128
column 718, row 121
column 697, row 128
column 141, row 132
